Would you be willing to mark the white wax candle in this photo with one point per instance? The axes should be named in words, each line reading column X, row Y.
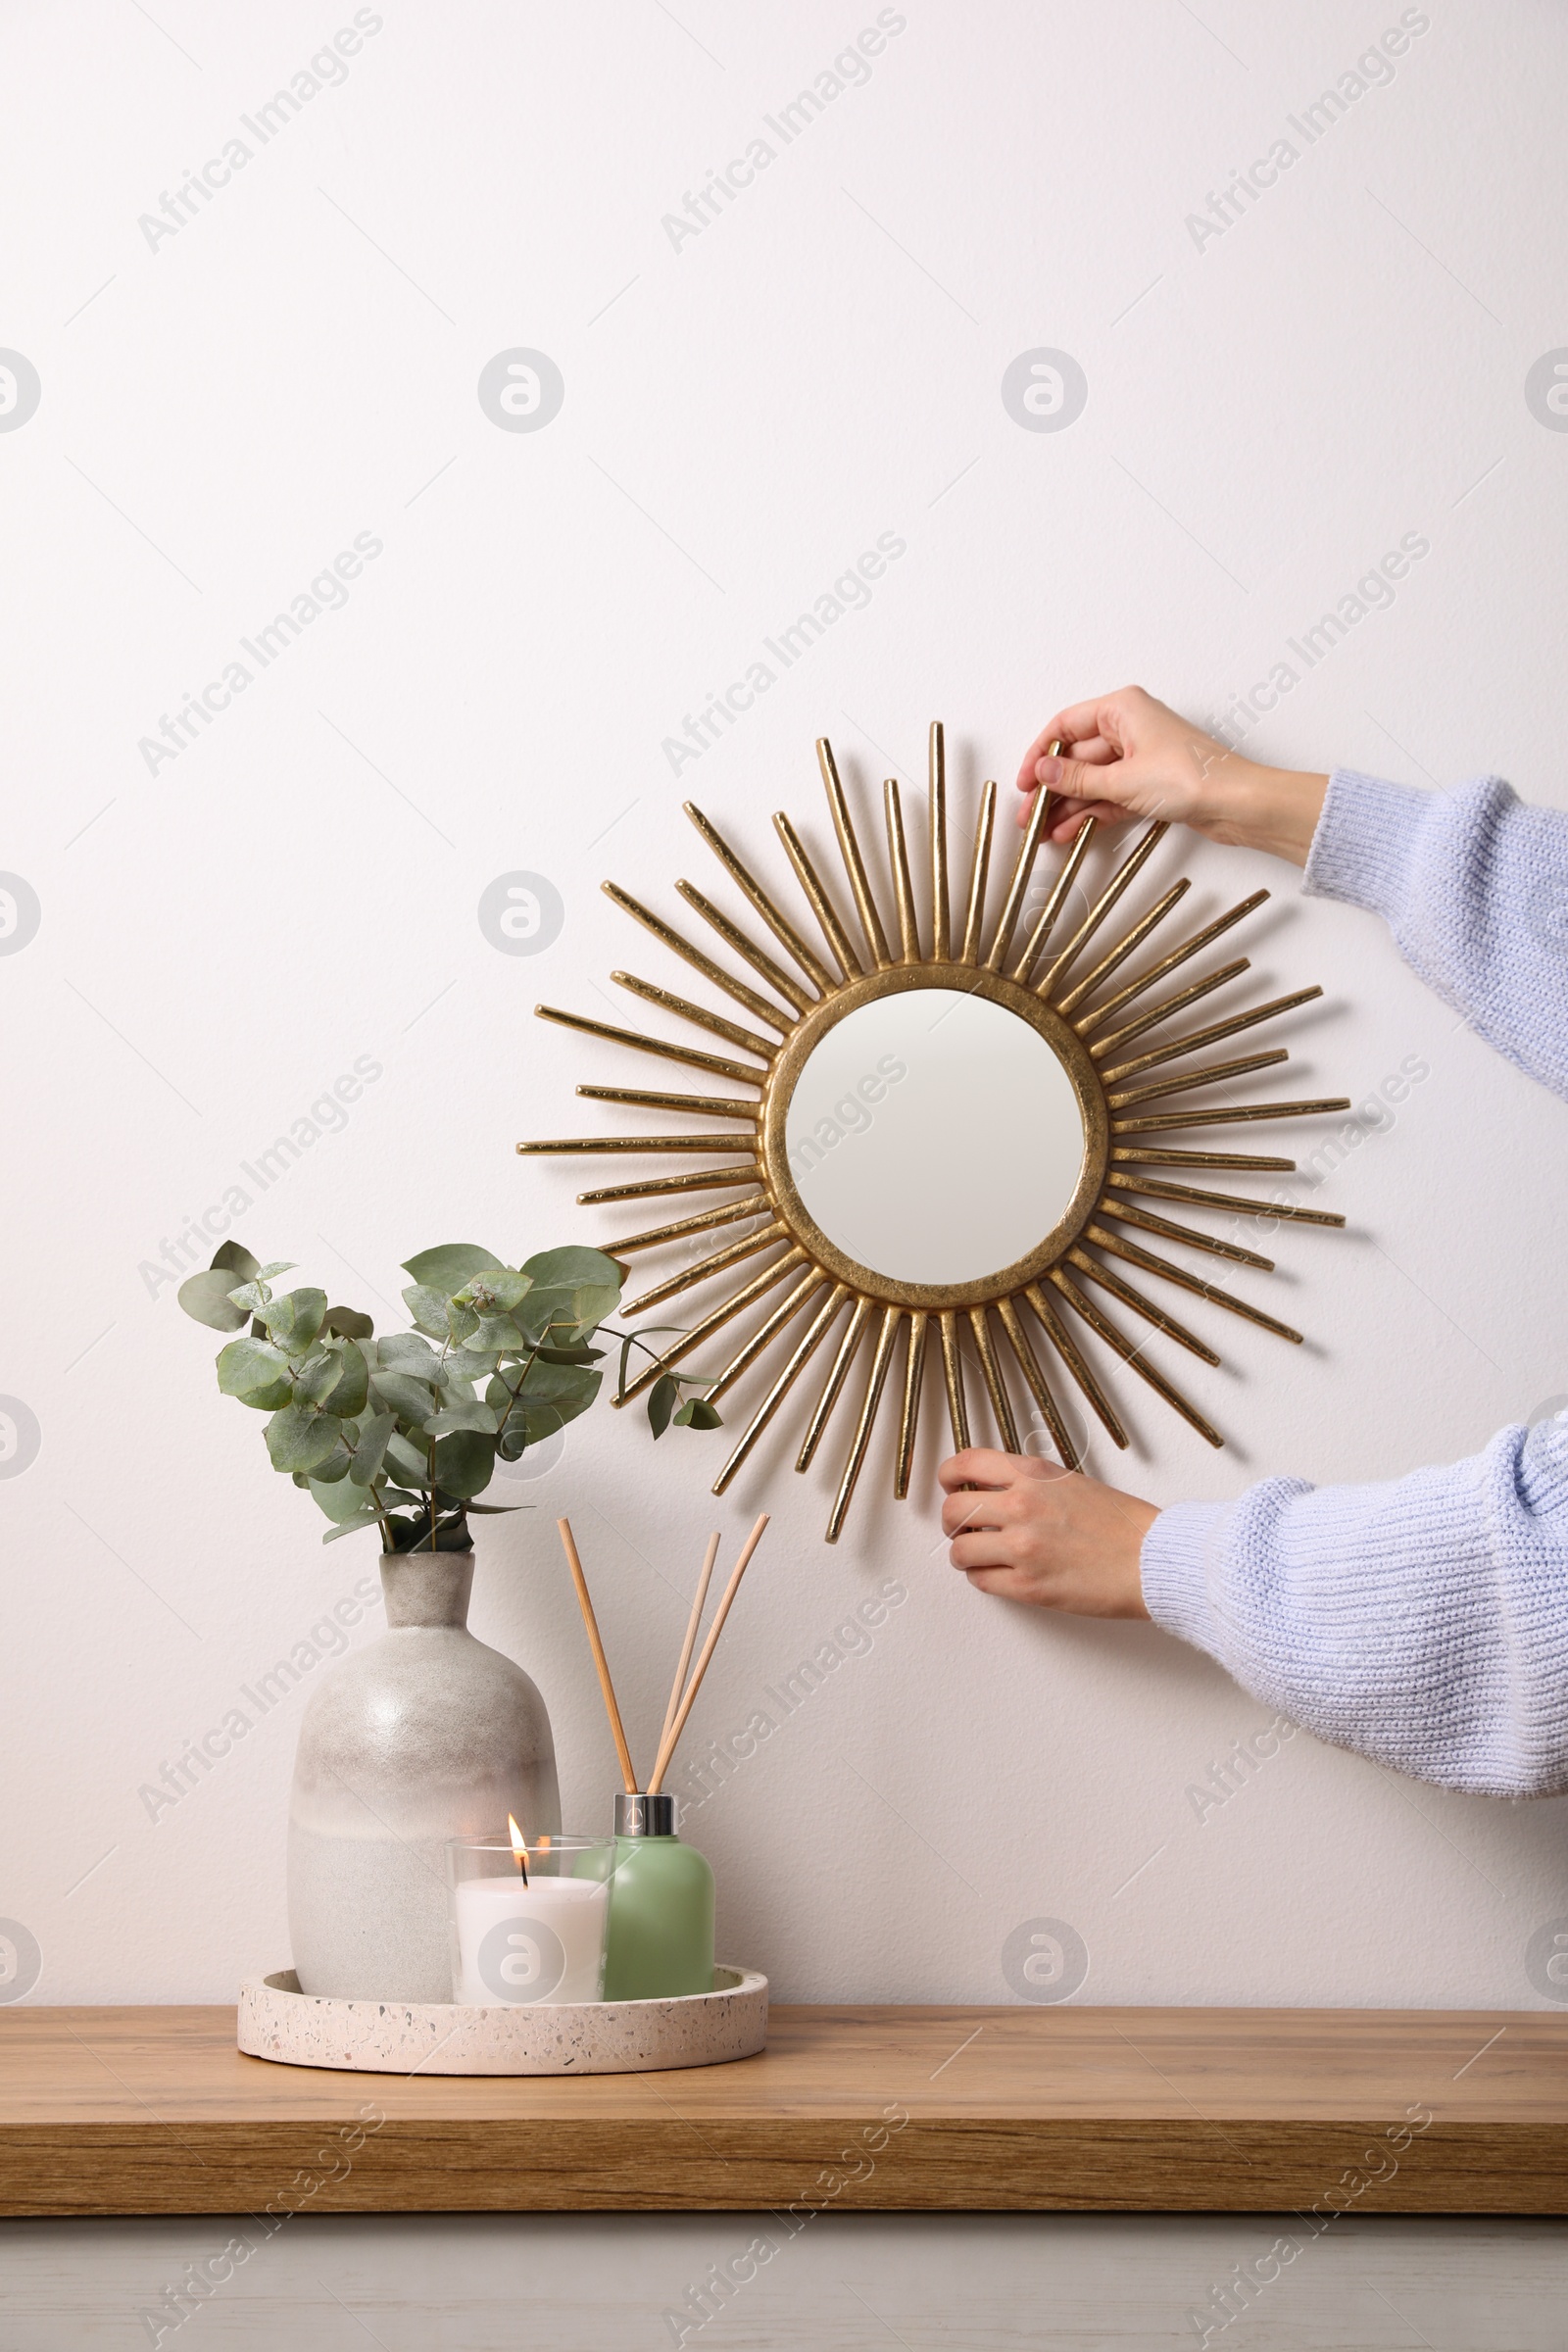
column 541, row 1943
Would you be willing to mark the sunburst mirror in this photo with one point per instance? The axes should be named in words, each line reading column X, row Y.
column 946, row 1132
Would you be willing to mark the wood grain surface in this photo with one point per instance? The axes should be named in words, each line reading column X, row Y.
column 154, row 2110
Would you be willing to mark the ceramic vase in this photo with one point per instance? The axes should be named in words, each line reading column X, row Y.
column 422, row 1735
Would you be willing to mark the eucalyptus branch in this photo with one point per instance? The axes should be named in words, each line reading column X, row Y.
column 349, row 1415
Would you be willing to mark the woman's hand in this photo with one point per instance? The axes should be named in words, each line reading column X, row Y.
column 1037, row 1533
column 1129, row 756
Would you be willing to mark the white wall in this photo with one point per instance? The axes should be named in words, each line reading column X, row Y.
column 225, row 410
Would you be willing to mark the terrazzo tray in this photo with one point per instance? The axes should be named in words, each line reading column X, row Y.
column 278, row 2021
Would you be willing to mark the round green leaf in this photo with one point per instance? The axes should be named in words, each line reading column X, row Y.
column 493, row 1294
column 370, row 1452
column 569, row 1269
column 347, row 1323
column 339, row 1498
column 448, row 1268
column 464, row 1462
column 301, row 1439
column 351, row 1527
column 317, row 1376
column 461, row 1416
column 698, row 1413
column 295, row 1319
column 234, row 1258
column 429, row 1308
column 404, row 1352
column 256, row 1372
column 205, row 1297
column 409, row 1463
column 409, row 1398
column 347, row 1397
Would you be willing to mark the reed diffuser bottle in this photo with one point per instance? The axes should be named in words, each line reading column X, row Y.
column 659, row 1939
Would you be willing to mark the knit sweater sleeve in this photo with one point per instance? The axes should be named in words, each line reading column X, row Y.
column 1473, row 887
column 1423, row 1622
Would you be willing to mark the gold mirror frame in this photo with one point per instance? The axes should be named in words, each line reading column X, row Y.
column 1125, row 1139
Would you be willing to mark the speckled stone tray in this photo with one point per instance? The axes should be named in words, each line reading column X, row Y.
column 278, row 2021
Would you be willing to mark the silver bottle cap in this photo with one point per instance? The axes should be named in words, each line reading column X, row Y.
column 645, row 1816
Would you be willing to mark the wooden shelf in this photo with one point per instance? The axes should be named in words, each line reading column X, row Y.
column 153, row 2110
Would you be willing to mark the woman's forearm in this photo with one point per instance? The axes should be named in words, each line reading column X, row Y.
column 1273, row 809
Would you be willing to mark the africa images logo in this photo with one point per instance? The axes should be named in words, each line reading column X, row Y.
column 521, row 1960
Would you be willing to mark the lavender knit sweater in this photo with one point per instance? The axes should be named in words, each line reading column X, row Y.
column 1424, row 1622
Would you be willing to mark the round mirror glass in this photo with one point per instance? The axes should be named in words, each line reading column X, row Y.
column 935, row 1137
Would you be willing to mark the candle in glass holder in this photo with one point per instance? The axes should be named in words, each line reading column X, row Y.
column 528, row 1921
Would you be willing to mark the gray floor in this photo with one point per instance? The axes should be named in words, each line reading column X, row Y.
column 950, row 2284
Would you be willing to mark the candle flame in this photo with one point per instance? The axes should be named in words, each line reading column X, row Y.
column 519, row 1847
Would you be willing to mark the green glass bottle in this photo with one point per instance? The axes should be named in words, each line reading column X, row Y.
column 660, row 1937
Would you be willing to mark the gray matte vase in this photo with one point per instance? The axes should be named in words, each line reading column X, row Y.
column 422, row 1735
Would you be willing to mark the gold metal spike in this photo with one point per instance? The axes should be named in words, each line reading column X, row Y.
column 1023, row 866
column 733, row 936
column 1113, row 1205
column 1150, row 1156
column 754, row 1206
column 1045, row 919
column 736, row 1304
column 1153, row 1187
column 833, row 1385
column 1133, row 1358
column 1129, row 1296
column 876, row 1381
column 671, row 937
column 1187, row 1081
column 1178, row 956
column 1128, row 945
column 774, row 917
column 1198, row 1038
column 1067, row 1349
column 1039, row 1386
column 1162, row 1010
column 822, row 906
column 975, row 911
column 700, row 1106
column 952, row 1376
column 763, row 1336
column 781, row 1388
column 1231, row 1116
column 909, row 1419
column 690, row 1055
column 1150, row 1263
column 996, row 1387
column 746, row 1246
column 854, row 863
column 902, row 888
column 750, row 1041
column 1131, row 866
column 941, row 934
column 697, row 1180
column 588, row 1144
